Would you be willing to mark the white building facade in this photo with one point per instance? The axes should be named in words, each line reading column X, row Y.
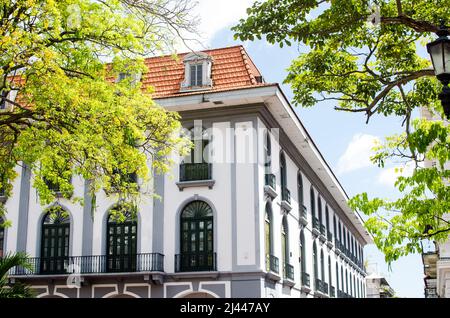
column 260, row 214
column 436, row 255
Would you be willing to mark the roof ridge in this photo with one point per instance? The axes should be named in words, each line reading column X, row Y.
column 183, row 53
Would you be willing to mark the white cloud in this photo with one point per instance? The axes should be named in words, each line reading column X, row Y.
column 218, row 14
column 358, row 153
column 388, row 176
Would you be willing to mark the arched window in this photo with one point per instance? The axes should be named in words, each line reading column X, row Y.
column 315, row 265
column 55, row 238
column 268, row 234
column 344, row 232
column 348, row 242
column 352, row 245
column 197, row 250
column 195, row 165
column 283, row 172
column 347, row 287
column 335, row 227
column 342, row 279
column 267, row 152
column 351, row 284
column 322, row 266
column 337, row 277
column 2, row 237
column 121, row 241
column 285, row 248
column 313, row 207
column 300, row 192
column 284, row 241
column 340, row 233
column 302, row 252
column 327, row 221
column 330, row 280
column 319, row 211
column 357, row 288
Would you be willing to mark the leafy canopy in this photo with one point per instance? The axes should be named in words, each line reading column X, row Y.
column 367, row 57
column 70, row 116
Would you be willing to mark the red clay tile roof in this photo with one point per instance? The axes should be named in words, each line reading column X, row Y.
column 232, row 69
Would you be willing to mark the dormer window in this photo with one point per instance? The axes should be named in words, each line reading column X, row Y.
column 196, row 75
column 6, row 97
column 197, row 72
column 134, row 78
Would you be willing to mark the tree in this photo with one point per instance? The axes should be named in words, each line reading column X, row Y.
column 17, row 289
column 65, row 112
column 363, row 56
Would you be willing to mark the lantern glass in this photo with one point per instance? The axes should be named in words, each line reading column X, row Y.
column 440, row 56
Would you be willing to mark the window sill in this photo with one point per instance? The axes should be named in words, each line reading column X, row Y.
column 319, row 294
column 286, row 205
column 305, row 289
column 288, row 282
column 273, row 276
column 195, row 88
column 315, row 232
column 322, row 238
column 270, row 191
column 197, row 183
column 303, row 221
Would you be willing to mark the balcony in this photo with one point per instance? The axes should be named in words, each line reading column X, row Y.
column 288, row 275
column 337, row 246
column 321, row 289
column 195, row 175
column 286, row 199
column 270, row 186
column 332, row 292
column 329, row 239
column 95, row 264
column 325, row 288
column 431, row 292
column 322, row 237
column 272, row 264
column 303, row 219
column 306, row 284
column 196, row 262
column 272, row 267
column 316, row 227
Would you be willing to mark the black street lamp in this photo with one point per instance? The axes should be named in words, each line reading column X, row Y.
column 439, row 51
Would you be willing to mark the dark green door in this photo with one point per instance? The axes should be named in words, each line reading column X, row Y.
column 197, row 250
column 55, row 244
column 121, row 246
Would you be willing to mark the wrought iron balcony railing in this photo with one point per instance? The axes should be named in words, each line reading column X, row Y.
column 325, row 288
column 332, row 291
column 94, row 264
column 288, row 271
column 319, row 285
column 329, row 236
column 195, row 171
column 195, row 262
column 316, row 223
column 272, row 263
column 303, row 211
column 286, row 195
column 337, row 244
column 322, row 229
column 305, row 279
column 270, row 180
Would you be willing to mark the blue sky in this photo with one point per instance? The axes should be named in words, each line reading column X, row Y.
column 343, row 138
